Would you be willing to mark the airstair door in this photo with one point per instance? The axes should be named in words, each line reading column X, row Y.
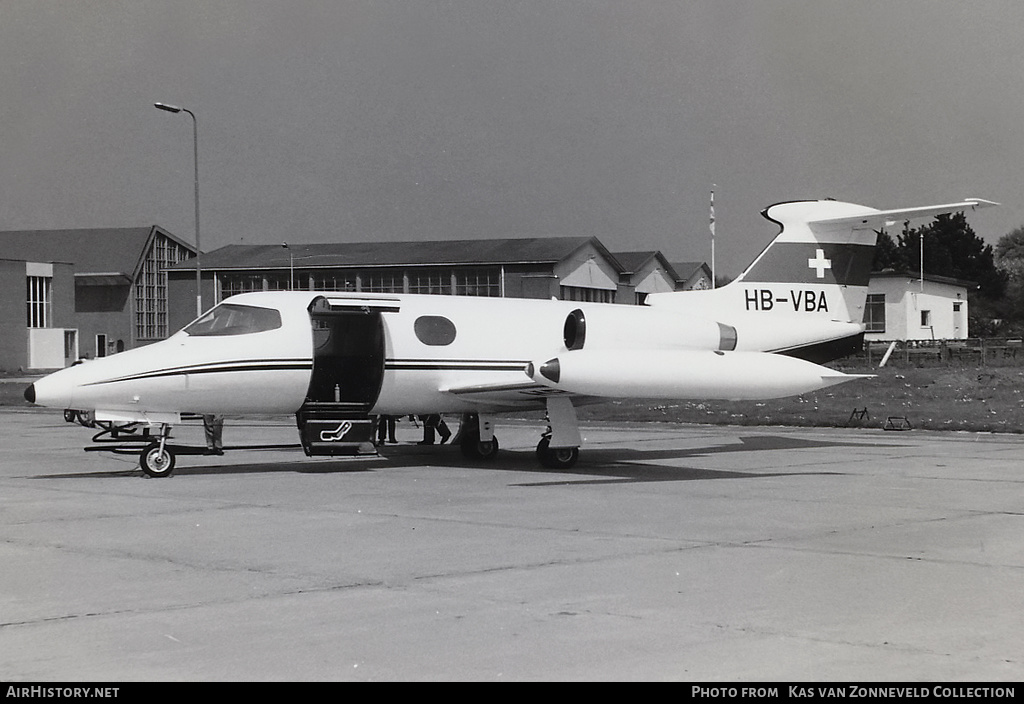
column 348, row 371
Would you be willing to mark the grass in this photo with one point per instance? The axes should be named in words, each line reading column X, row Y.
column 941, row 397
column 980, row 400
column 12, row 393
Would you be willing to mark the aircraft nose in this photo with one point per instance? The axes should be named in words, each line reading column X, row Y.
column 30, row 393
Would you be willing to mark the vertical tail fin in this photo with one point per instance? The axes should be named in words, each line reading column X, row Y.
column 822, row 254
column 809, row 285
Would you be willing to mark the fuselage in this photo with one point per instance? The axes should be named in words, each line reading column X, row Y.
column 338, row 359
column 271, row 352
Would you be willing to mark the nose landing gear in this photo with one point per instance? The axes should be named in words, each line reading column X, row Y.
column 157, row 460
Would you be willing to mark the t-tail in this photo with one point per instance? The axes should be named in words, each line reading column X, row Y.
column 804, row 294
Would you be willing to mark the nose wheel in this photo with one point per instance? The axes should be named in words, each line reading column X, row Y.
column 157, row 460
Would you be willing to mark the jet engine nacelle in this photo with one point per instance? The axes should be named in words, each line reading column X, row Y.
column 618, row 327
column 683, row 374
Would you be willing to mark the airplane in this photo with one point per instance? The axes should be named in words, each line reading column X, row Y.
column 338, row 360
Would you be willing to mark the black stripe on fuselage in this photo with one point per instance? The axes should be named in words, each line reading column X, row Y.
column 305, row 365
column 489, row 365
column 264, row 365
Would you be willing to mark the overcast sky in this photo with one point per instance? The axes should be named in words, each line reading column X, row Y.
column 353, row 120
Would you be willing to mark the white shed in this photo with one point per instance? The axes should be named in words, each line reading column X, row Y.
column 903, row 307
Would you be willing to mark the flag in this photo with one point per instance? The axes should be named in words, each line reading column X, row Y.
column 712, row 212
column 712, row 225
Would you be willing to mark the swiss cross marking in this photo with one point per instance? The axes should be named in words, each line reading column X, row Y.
column 819, row 263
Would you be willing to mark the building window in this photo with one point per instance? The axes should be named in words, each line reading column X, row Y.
column 333, row 282
column 430, row 282
column 279, row 282
column 874, row 313
column 926, row 318
column 589, row 295
column 151, row 288
column 40, row 304
column 234, row 284
column 478, row 282
column 382, row 282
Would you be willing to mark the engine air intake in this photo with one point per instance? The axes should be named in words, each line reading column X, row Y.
column 574, row 333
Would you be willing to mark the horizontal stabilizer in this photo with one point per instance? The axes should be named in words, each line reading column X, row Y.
column 887, row 218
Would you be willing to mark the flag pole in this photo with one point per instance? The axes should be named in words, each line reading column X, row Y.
column 712, row 226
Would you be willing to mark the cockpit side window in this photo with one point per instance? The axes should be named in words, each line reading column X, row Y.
column 234, row 319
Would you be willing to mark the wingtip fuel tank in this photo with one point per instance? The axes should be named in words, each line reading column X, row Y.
column 683, row 374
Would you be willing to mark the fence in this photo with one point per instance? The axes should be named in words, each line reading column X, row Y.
column 979, row 351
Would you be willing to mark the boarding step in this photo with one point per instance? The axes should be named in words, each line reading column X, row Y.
column 336, row 429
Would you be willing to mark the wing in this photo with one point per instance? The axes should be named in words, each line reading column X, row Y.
column 526, row 394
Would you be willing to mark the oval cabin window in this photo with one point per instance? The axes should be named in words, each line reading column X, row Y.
column 434, row 330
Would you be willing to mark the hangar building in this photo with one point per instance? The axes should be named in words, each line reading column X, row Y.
column 66, row 294
column 567, row 268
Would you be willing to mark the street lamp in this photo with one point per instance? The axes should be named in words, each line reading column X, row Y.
column 195, row 161
column 291, row 267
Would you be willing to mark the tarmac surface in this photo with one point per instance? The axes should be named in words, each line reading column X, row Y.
column 681, row 553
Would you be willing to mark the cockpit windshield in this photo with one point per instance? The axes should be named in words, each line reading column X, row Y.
column 234, row 319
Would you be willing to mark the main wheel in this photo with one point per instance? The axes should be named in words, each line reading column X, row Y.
column 157, row 462
column 556, row 458
column 476, row 449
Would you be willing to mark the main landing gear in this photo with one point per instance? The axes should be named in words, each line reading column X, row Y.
column 555, row 458
column 476, row 438
column 559, row 446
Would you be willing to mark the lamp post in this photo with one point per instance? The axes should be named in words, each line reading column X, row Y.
column 922, row 260
column 195, row 161
column 291, row 267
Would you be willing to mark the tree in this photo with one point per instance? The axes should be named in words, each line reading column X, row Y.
column 951, row 248
column 888, row 255
column 1009, row 254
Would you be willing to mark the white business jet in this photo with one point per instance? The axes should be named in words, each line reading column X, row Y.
column 338, row 360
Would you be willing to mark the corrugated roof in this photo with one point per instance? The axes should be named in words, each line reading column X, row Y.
column 916, row 276
column 634, row 261
column 687, row 269
column 372, row 254
column 117, row 250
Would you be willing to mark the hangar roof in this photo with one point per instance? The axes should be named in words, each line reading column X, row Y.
column 532, row 250
column 687, row 269
column 113, row 252
column 632, row 262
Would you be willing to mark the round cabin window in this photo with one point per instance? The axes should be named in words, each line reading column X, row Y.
column 434, row 330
